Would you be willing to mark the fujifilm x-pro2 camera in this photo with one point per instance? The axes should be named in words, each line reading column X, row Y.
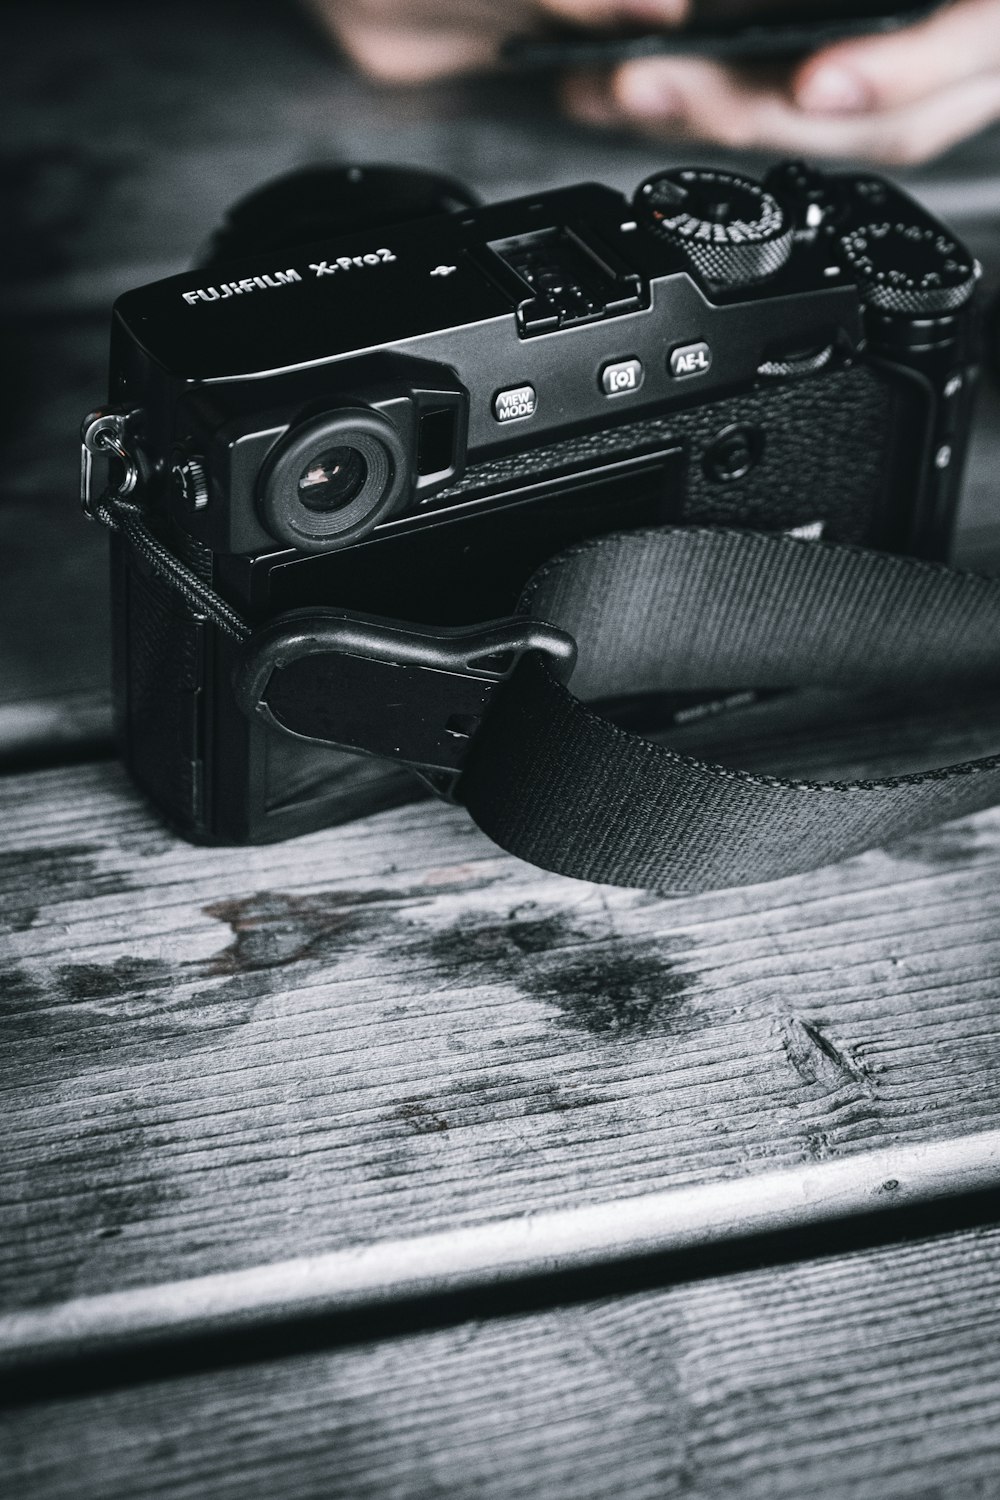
column 376, row 399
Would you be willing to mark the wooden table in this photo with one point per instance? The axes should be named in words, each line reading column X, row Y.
column 395, row 1051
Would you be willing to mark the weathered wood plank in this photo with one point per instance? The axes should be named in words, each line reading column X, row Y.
column 869, row 1375
column 219, row 1058
column 141, row 1324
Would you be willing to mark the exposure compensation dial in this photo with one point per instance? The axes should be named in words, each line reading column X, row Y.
column 910, row 269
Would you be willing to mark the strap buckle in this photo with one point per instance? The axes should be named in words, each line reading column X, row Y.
column 388, row 688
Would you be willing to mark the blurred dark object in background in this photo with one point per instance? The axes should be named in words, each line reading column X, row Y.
column 320, row 202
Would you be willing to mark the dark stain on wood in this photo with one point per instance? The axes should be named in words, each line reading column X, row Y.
column 117, row 1184
column 272, row 928
column 73, row 998
column 17, row 985
column 564, row 958
column 477, row 944
column 57, row 868
column 421, row 1119
column 99, row 982
column 46, row 1003
column 567, row 960
column 106, row 1180
column 615, row 990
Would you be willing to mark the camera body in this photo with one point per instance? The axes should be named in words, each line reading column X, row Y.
column 407, row 420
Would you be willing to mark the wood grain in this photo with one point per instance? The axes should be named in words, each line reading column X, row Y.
column 870, row 1375
column 219, row 1058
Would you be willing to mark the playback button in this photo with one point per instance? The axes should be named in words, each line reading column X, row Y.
column 514, row 404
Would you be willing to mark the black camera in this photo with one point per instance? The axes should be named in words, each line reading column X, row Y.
column 377, row 398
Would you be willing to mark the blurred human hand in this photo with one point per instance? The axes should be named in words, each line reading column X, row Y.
column 896, row 98
column 411, row 41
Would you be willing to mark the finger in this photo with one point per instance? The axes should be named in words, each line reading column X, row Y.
column 589, row 98
column 397, row 55
column 692, row 99
column 428, row 39
column 606, row 13
column 957, row 42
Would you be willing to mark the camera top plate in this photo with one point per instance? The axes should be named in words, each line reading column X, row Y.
column 539, row 265
column 401, row 288
column 521, row 323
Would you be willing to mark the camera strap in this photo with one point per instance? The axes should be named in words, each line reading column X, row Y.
column 485, row 717
column 556, row 783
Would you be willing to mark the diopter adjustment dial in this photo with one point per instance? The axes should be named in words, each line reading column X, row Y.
column 730, row 229
column 190, row 482
column 910, row 269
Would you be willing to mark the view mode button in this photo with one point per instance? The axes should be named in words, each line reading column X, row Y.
column 514, row 404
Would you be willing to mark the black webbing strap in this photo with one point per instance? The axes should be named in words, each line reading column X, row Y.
column 656, row 611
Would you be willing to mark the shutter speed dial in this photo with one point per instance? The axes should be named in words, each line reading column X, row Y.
column 730, row 229
column 910, row 268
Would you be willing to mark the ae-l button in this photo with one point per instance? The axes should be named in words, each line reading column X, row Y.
column 690, row 359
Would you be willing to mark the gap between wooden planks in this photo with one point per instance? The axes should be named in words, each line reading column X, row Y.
column 867, row 1375
column 533, row 1245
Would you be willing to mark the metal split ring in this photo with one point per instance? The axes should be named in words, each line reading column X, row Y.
column 103, row 434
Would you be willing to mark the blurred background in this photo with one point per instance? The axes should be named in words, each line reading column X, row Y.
column 126, row 131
